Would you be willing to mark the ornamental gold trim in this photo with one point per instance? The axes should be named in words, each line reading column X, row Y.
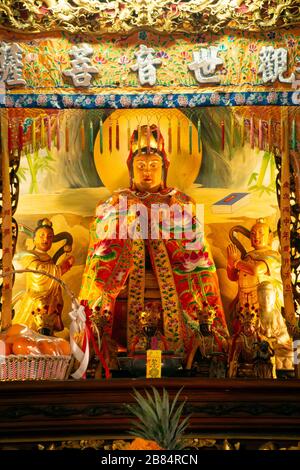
column 163, row 16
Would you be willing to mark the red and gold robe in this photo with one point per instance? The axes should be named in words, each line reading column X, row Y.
column 186, row 277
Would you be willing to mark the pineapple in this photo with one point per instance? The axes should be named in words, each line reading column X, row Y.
column 158, row 419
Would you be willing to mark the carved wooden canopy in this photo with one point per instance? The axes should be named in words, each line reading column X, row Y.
column 164, row 16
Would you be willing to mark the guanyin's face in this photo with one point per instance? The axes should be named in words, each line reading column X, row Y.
column 147, row 172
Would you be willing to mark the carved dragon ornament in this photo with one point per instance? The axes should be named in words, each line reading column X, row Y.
column 163, row 16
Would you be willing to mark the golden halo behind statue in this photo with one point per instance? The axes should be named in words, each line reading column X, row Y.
column 111, row 166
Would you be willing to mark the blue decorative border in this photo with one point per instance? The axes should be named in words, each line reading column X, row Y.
column 147, row 100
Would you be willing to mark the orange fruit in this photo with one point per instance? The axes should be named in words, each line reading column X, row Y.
column 11, row 339
column 48, row 347
column 143, row 444
column 25, row 345
column 63, row 347
column 17, row 329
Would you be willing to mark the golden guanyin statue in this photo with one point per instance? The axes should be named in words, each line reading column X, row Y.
column 42, row 304
column 147, row 245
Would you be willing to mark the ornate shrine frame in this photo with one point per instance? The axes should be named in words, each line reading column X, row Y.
column 162, row 16
column 234, row 408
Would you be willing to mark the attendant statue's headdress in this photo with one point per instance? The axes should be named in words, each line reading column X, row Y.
column 266, row 285
column 66, row 237
column 43, row 223
column 147, row 140
column 206, row 313
column 248, row 314
column 262, row 223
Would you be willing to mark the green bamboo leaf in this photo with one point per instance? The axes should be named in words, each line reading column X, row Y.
column 21, row 173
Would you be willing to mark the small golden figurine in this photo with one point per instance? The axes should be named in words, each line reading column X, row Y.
column 251, row 354
column 211, row 344
column 150, row 322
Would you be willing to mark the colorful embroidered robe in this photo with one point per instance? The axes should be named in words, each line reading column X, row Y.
column 185, row 276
